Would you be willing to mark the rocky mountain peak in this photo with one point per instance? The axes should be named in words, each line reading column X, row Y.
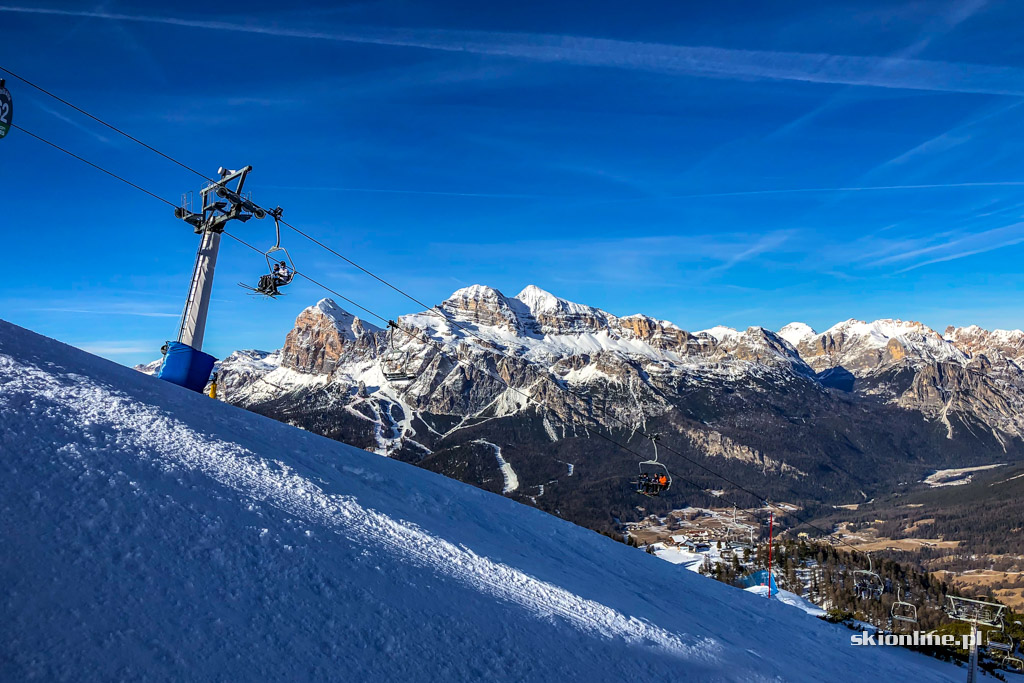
column 348, row 325
column 553, row 315
column 756, row 344
column 482, row 305
column 720, row 332
column 661, row 334
column 974, row 341
column 862, row 348
column 796, row 332
column 320, row 335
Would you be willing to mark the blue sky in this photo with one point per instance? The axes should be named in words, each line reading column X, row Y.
column 707, row 163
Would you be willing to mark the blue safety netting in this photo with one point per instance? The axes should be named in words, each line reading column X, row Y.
column 759, row 578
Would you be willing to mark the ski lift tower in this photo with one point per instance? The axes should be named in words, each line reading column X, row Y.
column 977, row 613
column 184, row 362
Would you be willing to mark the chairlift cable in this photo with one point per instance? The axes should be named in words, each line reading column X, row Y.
column 102, row 122
column 96, row 166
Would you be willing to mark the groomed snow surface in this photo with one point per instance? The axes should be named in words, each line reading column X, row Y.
column 151, row 533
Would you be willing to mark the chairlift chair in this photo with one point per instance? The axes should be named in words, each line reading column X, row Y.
column 741, row 545
column 1001, row 648
column 272, row 260
column 868, row 582
column 902, row 610
column 395, row 363
column 733, row 535
column 1000, row 644
column 653, row 471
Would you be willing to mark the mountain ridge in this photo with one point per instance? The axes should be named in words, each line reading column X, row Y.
column 801, row 420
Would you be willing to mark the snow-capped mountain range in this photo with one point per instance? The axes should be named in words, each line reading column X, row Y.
column 762, row 403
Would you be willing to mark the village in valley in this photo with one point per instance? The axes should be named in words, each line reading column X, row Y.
column 867, row 589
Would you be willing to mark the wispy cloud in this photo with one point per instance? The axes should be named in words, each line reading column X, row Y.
column 765, row 244
column 72, row 122
column 377, row 190
column 652, row 198
column 916, row 252
column 711, row 62
column 941, row 23
column 117, row 348
column 659, row 261
column 970, row 245
column 109, row 311
column 820, row 190
column 944, row 142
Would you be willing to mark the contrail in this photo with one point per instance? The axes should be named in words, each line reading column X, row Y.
column 710, row 62
column 811, row 190
column 868, row 188
column 375, row 190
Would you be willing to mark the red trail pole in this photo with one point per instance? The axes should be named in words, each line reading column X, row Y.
column 771, row 526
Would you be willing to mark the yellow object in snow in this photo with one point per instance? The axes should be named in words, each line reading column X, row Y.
column 213, row 389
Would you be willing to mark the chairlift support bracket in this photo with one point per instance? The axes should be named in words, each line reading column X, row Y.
column 975, row 611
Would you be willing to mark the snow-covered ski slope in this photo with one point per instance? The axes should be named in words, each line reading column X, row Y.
column 152, row 533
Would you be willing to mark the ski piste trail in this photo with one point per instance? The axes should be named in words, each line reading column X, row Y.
column 508, row 474
column 152, row 534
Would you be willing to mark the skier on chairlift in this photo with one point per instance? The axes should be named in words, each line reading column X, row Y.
column 651, row 484
column 279, row 277
column 283, row 274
